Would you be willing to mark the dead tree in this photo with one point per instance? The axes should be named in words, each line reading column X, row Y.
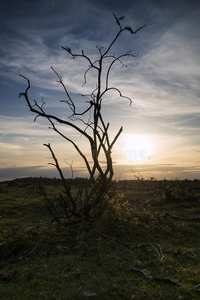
column 94, row 130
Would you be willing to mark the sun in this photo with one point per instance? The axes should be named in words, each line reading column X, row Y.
column 136, row 147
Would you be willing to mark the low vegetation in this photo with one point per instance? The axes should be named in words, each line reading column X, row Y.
column 145, row 244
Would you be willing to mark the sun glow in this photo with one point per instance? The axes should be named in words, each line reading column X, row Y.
column 136, row 148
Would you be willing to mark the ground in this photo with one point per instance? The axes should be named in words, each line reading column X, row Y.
column 139, row 250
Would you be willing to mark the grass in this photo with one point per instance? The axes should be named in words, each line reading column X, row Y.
column 123, row 256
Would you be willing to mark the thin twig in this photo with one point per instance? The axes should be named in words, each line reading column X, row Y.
column 183, row 218
column 155, row 277
column 150, row 245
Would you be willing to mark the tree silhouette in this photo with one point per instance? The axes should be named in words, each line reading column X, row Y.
column 94, row 130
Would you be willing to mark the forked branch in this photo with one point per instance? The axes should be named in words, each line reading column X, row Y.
column 96, row 130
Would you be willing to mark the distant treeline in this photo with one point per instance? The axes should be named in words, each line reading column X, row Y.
column 82, row 181
column 46, row 180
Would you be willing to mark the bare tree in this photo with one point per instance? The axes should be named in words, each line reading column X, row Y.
column 94, row 130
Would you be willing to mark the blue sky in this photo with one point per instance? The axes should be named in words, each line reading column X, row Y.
column 163, row 82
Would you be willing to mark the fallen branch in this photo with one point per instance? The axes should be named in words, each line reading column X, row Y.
column 36, row 245
column 154, row 277
column 113, row 238
column 92, row 236
column 182, row 218
column 159, row 256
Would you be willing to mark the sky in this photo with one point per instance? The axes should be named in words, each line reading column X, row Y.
column 161, row 128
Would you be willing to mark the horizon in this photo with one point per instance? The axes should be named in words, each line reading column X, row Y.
column 161, row 128
column 151, row 179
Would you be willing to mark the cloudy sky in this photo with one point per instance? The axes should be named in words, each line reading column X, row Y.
column 161, row 128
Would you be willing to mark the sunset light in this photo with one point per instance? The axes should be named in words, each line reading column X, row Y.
column 99, row 149
column 159, row 75
column 134, row 148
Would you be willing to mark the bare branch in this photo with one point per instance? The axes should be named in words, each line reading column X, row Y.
column 49, row 116
column 127, row 28
column 116, row 89
column 70, row 165
column 115, row 60
column 80, row 55
column 132, row 31
column 116, row 137
column 74, row 144
column 158, row 255
column 70, row 102
column 95, row 129
column 154, row 277
column 61, row 176
column 118, row 21
column 80, row 114
column 196, row 218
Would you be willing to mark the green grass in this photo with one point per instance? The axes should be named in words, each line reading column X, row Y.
column 100, row 260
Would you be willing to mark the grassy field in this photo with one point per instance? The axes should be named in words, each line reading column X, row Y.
column 141, row 252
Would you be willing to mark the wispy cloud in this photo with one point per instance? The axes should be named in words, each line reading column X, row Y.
column 162, row 81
